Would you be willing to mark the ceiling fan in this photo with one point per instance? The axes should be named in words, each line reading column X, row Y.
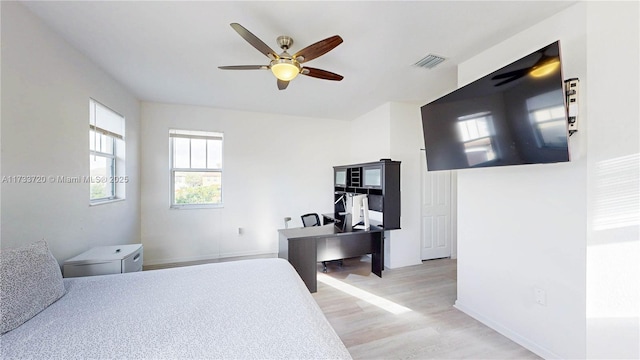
column 545, row 65
column 286, row 67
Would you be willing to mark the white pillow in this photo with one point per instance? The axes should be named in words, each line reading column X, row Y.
column 30, row 280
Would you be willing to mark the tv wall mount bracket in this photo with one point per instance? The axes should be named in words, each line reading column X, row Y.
column 571, row 92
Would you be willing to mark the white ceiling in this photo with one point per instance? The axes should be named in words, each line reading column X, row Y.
column 170, row 51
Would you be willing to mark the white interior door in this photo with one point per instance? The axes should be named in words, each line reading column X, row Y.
column 437, row 227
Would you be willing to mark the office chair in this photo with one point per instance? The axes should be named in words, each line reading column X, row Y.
column 312, row 219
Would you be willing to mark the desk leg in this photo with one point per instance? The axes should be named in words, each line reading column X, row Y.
column 303, row 257
column 377, row 255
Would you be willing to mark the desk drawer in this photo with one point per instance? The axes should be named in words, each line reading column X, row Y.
column 341, row 247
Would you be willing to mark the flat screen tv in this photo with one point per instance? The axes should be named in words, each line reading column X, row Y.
column 515, row 115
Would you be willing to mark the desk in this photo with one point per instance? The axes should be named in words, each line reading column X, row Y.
column 305, row 247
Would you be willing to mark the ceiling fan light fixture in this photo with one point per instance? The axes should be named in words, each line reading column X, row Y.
column 285, row 69
column 545, row 69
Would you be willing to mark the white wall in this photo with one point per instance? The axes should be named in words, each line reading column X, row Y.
column 529, row 226
column 46, row 86
column 613, row 178
column 524, row 227
column 274, row 167
column 394, row 130
column 375, row 127
column 405, row 134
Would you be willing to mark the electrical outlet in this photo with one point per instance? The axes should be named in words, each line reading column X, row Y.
column 540, row 296
column 240, row 231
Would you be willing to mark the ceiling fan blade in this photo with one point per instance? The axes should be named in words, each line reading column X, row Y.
column 255, row 41
column 321, row 74
column 512, row 74
column 318, row 49
column 514, row 78
column 244, row 67
column 282, row 84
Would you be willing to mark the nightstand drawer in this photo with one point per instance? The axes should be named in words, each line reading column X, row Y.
column 105, row 260
column 98, row 268
column 133, row 262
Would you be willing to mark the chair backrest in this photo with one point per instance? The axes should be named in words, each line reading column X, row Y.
column 311, row 219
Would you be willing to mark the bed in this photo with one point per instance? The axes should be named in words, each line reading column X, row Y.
column 256, row 309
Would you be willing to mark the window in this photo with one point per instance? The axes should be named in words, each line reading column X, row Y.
column 106, row 154
column 196, row 168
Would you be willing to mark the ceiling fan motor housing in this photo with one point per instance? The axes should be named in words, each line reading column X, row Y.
column 285, row 42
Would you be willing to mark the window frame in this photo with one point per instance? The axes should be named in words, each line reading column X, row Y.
column 114, row 131
column 195, row 134
column 112, row 157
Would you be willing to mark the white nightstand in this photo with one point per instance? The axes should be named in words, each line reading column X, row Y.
column 105, row 260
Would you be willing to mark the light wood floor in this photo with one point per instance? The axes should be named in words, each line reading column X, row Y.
column 433, row 329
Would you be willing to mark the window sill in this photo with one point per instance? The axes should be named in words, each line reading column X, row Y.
column 102, row 202
column 196, row 207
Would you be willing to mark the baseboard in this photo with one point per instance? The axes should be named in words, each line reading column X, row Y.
column 508, row 333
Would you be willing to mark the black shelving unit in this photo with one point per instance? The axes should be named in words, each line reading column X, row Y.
column 380, row 180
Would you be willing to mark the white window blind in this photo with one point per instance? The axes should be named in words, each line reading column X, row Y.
column 106, row 121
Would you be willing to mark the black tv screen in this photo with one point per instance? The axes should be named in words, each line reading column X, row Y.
column 515, row 115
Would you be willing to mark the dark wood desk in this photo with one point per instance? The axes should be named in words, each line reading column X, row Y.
column 305, row 247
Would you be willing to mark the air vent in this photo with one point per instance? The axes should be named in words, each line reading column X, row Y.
column 429, row 61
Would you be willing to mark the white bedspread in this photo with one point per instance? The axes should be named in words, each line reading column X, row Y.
column 256, row 309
